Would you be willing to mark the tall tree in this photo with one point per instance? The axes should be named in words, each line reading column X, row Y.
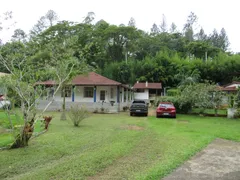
column 132, row 22
column 163, row 25
column 89, row 18
column 190, row 26
column 19, row 35
column 223, row 40
column 155, row 30
column 51, row 17
column 201, row 36
column 48, row 20
column 173, row 28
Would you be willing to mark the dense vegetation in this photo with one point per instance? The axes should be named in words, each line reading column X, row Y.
column 126, row 53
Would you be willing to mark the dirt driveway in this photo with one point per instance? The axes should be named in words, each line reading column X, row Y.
column 220, row 160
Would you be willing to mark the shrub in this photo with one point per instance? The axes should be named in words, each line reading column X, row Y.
column 47, row 120
column 173, row 92
column 77, row 114
column 125, row 108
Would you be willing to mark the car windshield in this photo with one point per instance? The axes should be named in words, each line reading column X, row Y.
column 139, row 102
column 165, row 105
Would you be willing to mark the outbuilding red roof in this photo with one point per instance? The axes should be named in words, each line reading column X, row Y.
column 91, row 78
column 147, row 85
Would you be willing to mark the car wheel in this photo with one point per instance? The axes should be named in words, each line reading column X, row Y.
column 131, row 114
column 146, row 114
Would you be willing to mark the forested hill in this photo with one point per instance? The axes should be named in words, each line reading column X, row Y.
column 125, row 53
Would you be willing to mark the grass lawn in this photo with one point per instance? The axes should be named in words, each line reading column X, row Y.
column 110, row 146
column 210, row 111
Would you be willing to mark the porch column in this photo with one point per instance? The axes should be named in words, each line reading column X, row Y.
column 118, row 92
column 73, row 93
column 94, row 94
column 123, row 94
column 127, row 96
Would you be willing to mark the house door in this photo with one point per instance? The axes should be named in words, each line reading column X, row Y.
column 102, row 95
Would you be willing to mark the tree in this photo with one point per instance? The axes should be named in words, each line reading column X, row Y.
column 198, row 95
column 89, row 18
column 22, row 82
column 201, row 36
column 219, row 40
column 223, row 40
column 132, row 22
column 190, row 26
column 202, row 50
column 39, row 27
column 163, row 25
column 19, row 35
column 187, row 77
column 155, row 30
column 173, row 28
column 120, row 40
column 44, row 22
column 51, row 17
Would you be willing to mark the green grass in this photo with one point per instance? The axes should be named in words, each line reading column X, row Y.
column 210, row 111
column 110, row 146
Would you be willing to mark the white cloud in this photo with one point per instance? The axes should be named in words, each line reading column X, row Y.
column 211, row 13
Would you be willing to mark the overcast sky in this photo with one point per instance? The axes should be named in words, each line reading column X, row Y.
column 211, row 13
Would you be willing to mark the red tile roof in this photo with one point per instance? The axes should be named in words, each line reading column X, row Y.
column 147, row 85
column 234, row 82
column 229, row 89
column 91, row 78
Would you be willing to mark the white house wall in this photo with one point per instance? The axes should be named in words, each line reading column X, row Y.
column 88, row 102
column 234, row 85
column 59, row 98
column 142, row 95
column 79, row 94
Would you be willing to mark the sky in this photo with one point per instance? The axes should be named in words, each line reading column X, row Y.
column 211, row 13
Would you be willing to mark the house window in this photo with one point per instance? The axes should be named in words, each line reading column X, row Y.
column 88, row 92
column 140, row 90
column 102, row 95
column 68, row 91
column 111, row 93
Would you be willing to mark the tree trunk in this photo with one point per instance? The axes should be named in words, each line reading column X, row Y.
column 23, row 137
column 63, row 115
column 216, row 112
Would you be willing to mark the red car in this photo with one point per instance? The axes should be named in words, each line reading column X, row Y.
column 166, row 109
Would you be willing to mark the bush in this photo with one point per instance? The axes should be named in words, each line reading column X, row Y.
column 47, row 120
column 173, row 92
column 77, row 114
column 125, row 108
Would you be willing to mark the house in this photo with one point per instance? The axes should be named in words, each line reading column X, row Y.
column 147, row 91
column 231, row 88
column 94, row 91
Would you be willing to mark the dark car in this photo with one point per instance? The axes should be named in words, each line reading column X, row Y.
column 139, row 107
column 166, row 109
